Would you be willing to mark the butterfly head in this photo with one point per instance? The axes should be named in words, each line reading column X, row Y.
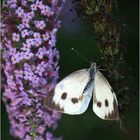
column 93, row 65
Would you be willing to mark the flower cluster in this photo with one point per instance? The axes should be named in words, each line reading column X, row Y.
column 30, row 62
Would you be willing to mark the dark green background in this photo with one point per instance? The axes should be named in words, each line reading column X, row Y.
column 88, row 125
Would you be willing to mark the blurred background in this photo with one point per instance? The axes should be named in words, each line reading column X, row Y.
column 73, row 34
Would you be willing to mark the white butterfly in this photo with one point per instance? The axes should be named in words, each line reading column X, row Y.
column 72, row 95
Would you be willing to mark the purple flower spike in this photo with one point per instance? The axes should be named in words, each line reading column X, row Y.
column 30, row 61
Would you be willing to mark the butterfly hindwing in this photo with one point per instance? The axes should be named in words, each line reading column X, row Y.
column 70, row 95
column 105, row 103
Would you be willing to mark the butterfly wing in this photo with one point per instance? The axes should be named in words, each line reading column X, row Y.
column 70, row 95
column 105, row 103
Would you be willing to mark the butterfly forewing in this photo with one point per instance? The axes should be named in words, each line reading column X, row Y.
column 69, row 95
column 105, row 103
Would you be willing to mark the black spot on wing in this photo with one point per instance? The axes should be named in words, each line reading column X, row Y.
column 74, row 100
column 99, row 104
column 64, row 96
column 106, row 103
column 114, row 114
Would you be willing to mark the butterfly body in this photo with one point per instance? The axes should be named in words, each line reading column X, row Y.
column 92, row 72
column 73, row 94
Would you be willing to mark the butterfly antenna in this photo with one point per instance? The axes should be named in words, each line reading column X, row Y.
column 80, row 55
